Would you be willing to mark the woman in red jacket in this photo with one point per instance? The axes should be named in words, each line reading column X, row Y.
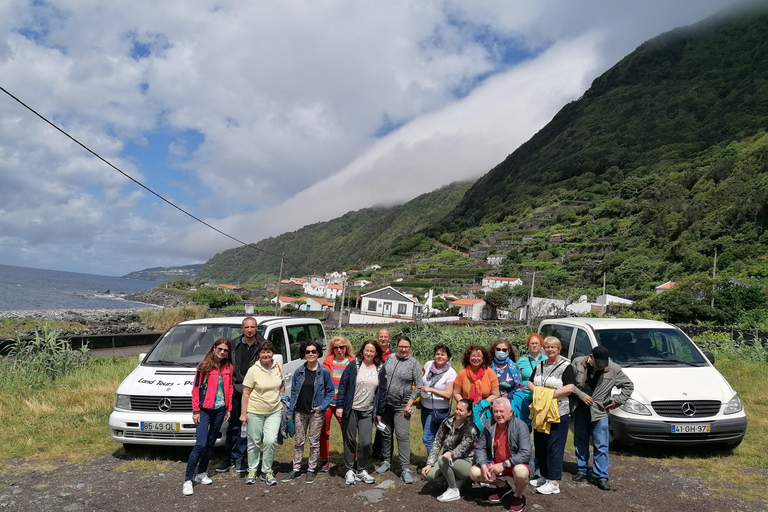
column 211, row 405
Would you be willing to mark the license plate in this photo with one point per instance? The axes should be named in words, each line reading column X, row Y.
column 159, row 426
column 692, row 428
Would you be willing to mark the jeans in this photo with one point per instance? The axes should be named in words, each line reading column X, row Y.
column 312, row 422
column 584, row 428
column 551, row 447
column 430, row 422
column 442, row 471
column 207, row 429
column 236, row 447
column 401, row 429
column 353, row 425
column 262, row 439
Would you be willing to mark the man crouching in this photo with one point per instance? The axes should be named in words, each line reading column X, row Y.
column 503, row 449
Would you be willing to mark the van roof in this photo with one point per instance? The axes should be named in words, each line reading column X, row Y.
column 599, row 324
column 238, row 320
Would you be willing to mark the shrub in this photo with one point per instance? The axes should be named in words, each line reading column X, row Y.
column 39, row 360
column 214, row 298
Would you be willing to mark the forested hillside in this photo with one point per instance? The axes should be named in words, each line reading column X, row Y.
column 352, row 240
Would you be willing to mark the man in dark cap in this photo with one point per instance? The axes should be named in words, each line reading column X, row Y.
column 596, row 376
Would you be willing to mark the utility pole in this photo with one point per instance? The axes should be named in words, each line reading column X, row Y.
column 341, row 308
column 530, row 300
column 714, row 272
column 280, row 278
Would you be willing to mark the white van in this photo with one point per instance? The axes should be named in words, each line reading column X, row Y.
column 679, row 397
column 153, row 405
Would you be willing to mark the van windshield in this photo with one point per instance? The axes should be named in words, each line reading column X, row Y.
column 647, row 347
column 186, row 345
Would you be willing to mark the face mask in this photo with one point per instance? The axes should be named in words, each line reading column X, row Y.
column 500, row 356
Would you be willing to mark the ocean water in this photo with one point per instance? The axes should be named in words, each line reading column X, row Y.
column 23, row 288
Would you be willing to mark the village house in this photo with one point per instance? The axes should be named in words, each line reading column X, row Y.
column 472, row 309
column 229, row 288
column 497, row 282
column 362, row 283
column 495, row 259
column 332, row 291
column 389, row 302
column 665, row 287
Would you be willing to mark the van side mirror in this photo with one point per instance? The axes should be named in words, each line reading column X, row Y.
column 709, row 355
column 142, row 356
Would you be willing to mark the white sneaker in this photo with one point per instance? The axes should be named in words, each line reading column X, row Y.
column 363, row 476
column 452, row 494
column 188, row 489
column 202, row 478
column 536, row 482
column 349, row 478
column 548, row 488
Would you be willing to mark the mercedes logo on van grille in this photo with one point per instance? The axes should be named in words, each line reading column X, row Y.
column 688, row 409
column 165, row 405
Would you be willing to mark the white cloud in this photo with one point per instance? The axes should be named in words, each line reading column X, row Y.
column 287, row 99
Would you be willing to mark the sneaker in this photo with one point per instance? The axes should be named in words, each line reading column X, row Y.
column 310, row 479
column 500, row 493
column 548, row 488
column 251, row 478
column 268, row 478
column 385, row 466
column 579, row 477
column 241, row 467
column 202, row 478
column 604, row 484
column 452, row 494
column 293, row 475
column 407, row 476
column 349, row 478
column 517, row 504
column 325, row 466
column 187, row 489
column 536, row 482
column 224, row 467
column 363, row 476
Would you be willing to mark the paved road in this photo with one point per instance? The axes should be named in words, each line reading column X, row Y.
column 121, row 351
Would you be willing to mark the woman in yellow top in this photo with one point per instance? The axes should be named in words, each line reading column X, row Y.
column 261, row 391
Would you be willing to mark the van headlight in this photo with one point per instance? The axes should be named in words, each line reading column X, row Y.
column 123, row 402
column 632, row 406
column 734, row 405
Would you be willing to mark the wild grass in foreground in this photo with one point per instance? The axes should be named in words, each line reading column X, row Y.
column 162, row 318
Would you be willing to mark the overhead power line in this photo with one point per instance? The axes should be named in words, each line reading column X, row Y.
column 137, row 182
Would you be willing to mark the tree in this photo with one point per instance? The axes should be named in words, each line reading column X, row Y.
column 496, row 299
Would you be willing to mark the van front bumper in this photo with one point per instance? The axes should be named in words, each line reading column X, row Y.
column 125, row 427
column 634, row 431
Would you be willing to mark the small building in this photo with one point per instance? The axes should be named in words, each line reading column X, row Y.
column 229, row 288
column 373, row 267
column 472, row 309
column 362, row 283
column 494, row 282
column 557, row 237
column 495, row 259
column 389, row 302
column 332, row 291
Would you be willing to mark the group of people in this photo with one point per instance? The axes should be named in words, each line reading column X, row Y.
column 500, row 399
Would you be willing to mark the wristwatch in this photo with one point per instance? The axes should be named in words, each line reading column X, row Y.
column 506, row 464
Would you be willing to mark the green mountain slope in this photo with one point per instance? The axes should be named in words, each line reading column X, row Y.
column 352, row 240
column 662, row 161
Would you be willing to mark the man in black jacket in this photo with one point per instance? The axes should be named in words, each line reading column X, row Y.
column 245, row 353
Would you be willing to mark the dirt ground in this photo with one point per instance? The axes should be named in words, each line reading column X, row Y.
column 639, row 484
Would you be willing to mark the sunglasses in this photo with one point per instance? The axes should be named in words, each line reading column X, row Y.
column 502, row 349
column 342, row 347
column 310, row 351
column 224, row 350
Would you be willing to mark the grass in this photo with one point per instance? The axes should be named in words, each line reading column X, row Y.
column 10, row 327
column 163, row 318
column 66, row 420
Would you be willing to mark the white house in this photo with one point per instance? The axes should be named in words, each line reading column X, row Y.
column 362, row 283
column 314, row 304
column 373, row 267
column 332, row 291
column 391, row 303
column 498, row 282
column 472, row 309
column 495, row 259
column 608, row 299
column 665, row 287
column 317, row 290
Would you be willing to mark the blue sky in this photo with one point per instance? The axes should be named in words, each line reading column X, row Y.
column 261, row 117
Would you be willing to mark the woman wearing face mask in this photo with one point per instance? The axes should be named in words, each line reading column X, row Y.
column 510, row 380
column 456, row 439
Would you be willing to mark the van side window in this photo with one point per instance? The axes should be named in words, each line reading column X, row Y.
column 297, row 334
column 563, row 333
column 582, row 344
column 316, row 333
column 278, row 340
